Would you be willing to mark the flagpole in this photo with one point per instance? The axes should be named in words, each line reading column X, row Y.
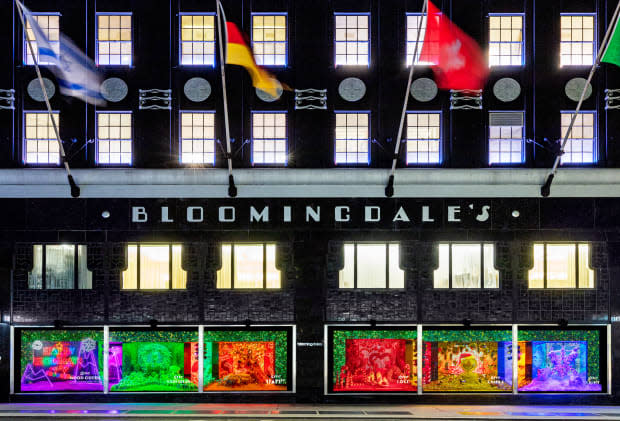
column 221, row 17
column 545, row 190
column 389, row 189
column 75, row 189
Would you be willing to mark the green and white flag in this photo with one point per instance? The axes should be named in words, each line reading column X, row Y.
column 612, row 51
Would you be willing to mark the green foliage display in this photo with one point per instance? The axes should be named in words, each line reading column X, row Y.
column 154, row 335
column 470, row 335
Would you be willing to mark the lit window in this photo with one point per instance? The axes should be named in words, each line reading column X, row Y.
column 50, row 26
column 581, row 144
column 197, row 40
column 151, row 266
column 114, row 39
column 423, row 138
column 198, row 138
column 460, row 264
column 352, row 40
column 561, row 266
column 40, row 141
column 506, row 137
column 65, row 267
column 506, row 40
column 269, row 138
column 371, row 266
column 577, row 44
column 114, row 138
column 269, row 37
column 352, row 138
column 248, row 266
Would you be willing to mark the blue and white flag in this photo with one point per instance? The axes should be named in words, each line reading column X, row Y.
column 76, row 74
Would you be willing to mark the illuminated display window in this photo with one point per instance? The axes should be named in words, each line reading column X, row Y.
column 269, row 39
column 371, row 266
column 152, row 266
column 40, row 141
column 269, row 138
column 506, row 137
column 460, row 266
column 423, row 138
column 248, row 266
column 578, row 43
column 197, row 40
column 413, row 22
column 114, row 138
column 65, row 267
column 505, row 40
column 561, row 266
column 352, row 39
column 581, row 146
column 352, row 138
column 49, row 24
column 197, row 137
column 114, row 39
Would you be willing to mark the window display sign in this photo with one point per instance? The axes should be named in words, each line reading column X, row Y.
column 60, row 360
column 467, row 360
column 372, row 360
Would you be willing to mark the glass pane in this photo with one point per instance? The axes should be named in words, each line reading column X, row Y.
column 179, row 276
column 491, row 276
column 35, row 277
column 536, row 274
column 223, row 275
column 130, row 276
column 397, row 276
column 371, row 266
column 441, row 277
column 466, row 266
column 273, row 274
column 248, row 266
column 154, row 267
column 59, row 267
column 85, row 276
column 561, row 266
column 345, row 276
column 586, row 275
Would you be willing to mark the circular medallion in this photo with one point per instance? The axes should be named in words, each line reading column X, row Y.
column 197, row 89
column 35, row 92
column 423, row 89
column 574, row 87
column 114, row 89
column 267, row 97
column 506, row 89
column 352, row 89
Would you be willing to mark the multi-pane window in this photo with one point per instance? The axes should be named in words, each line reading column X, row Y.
column 561, row 266
column 352, row 40
column 505, row 40
column 114, row 39
column 371, row 266
column 506, row 137
column 466, row 265
column 269, row 38
column 577, row 44
column 352, row 138
column 248, row 266
column 423, row 138
column 40, row 141
column 581, row 144
column 197, row 137
column 59, row 266
column 114, row 138
column 153, row 266
column 50, row 25
column 269, row 138
column 197, row 40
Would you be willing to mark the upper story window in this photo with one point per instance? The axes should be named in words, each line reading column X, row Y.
column 114, row 39
column 248, row 266
column 506, row 137
column 371, row 266
column 506, row 45
column 561, row 266
column 581, row 145
column 50, row 25
column 578, row 43
column 352, row 39
column 269, row 39
column 269, row 138
column 197, row 40
column 59, row 266
column 466, row 265
column 352, row 138
column 413, row 23
column 114, row 138
column 197, row 137
column 423, row 138
column 40, row 141
column 152, row 266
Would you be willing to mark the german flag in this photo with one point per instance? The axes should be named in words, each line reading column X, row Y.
column 238, row 52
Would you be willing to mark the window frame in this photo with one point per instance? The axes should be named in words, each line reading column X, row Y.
column 369, row 41
column 286, row 49
column 594, row 40
column 387, row 266
column 232, row 266
column 131, row 63
column 26, row 50
column 577, row 280
column 286, row 139
column 523, row 40
column 24, row 140
column 76, row 265
column 368, row 158
column 180, row 44
column 115, row 164
column 523, row 140
column 595, row 140
column 180, row 152
column 138, row 274
column 440, row 151
column 450, row 283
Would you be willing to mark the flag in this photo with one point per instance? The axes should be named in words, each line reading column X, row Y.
column 238, row 52
column 76, row 74
column 612, row 50
column 457, row 61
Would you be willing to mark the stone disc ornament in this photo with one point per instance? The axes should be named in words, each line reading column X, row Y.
column 114, row 89
column 574, row 87
column 197, row 89
column 506, row 89
column 423, row 89
column 35, row 92
column 267, row 97
column 352, row 89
